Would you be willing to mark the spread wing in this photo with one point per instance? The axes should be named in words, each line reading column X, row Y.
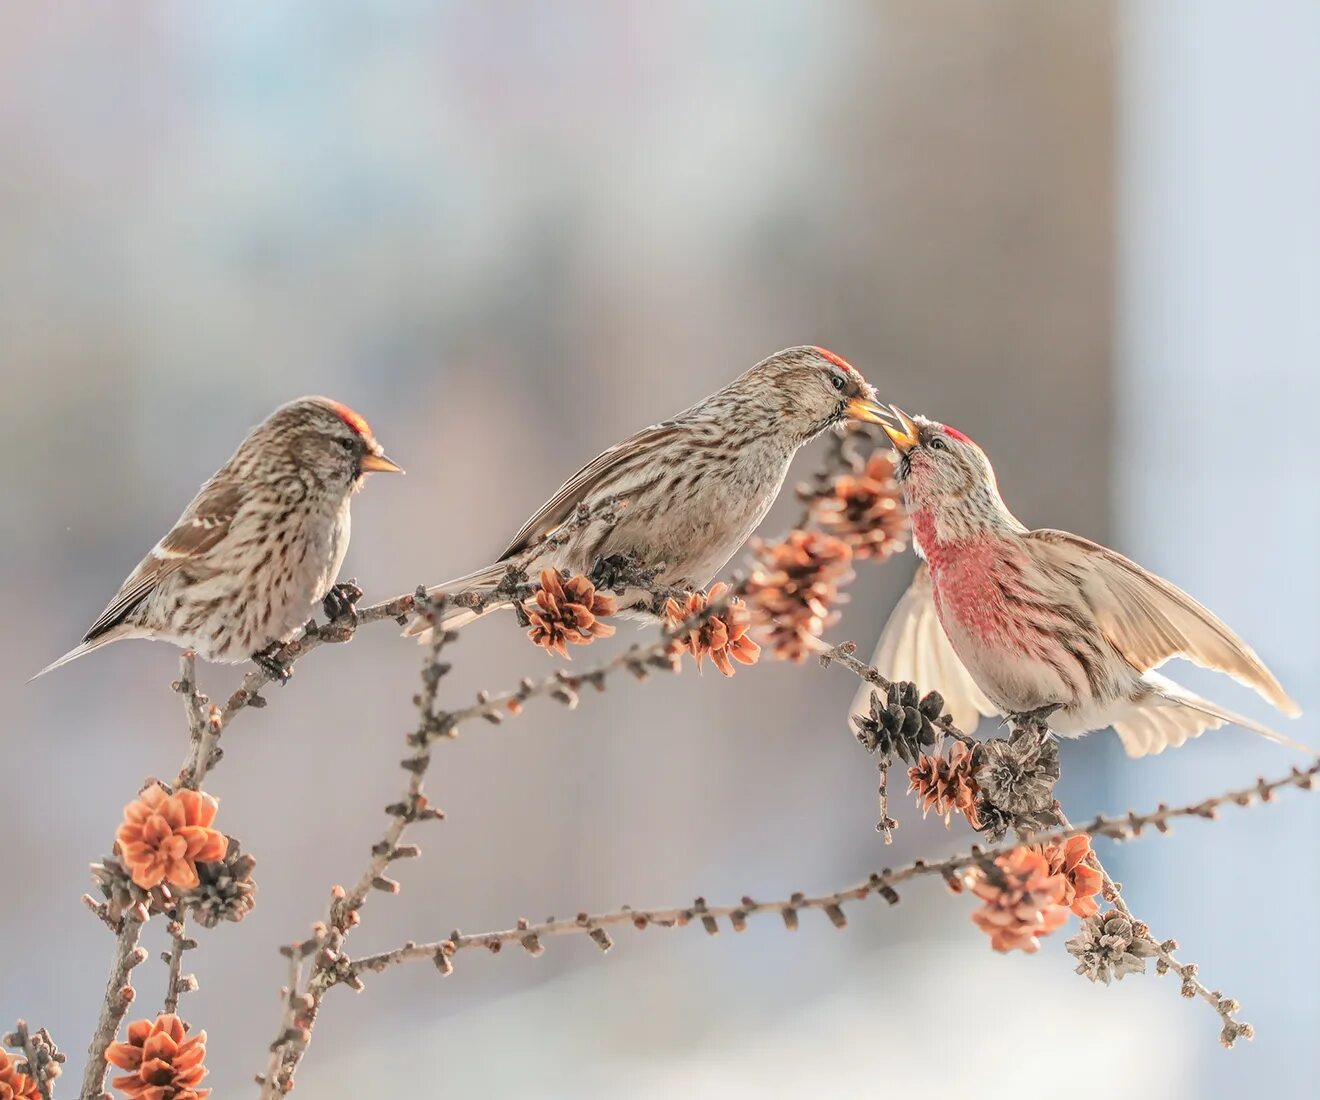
column 913, row 646
column 606, row 474
column 1148, row 620
column 203, row 524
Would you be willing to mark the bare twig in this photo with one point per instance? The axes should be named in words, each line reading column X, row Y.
column 203, row 725
column 248, row 692
column 119, row 994
column 41, row 1061
column 1166, row 963
column 176, row 981
column 330, row 966
column 302, row 1003
column 1123, row 827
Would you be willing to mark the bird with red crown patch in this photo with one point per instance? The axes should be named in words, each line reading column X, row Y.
column 694, row 486
column 259, row 546
column 1044, row 624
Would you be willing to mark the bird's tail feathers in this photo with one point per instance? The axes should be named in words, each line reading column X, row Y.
column 454, row 618
column 1171, row 715
column 80, row 650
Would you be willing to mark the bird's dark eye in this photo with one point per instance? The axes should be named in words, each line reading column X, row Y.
column 938, row 444
column 347, row 444
column 837, row 382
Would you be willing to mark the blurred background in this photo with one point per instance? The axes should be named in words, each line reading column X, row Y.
column 511, row 234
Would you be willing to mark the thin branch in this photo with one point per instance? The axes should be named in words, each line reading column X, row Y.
column 331, row 967
column 1122, row 827
column 303, row 1004
column 203, row 725
column 176, row 981
column 1227, row 1007
column 248, row 693
column 37, row 1067
column 119, row 994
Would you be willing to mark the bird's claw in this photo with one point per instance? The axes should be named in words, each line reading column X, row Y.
column 340, row 603
column 1038, row 719
column 271, row 661
column 621, row 571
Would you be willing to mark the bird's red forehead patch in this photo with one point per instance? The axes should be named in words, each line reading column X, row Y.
column 954, row 433
column 837, row 360
column 354, row 420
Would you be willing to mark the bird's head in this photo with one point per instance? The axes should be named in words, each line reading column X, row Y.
column 809, row 389
column 939, row 467
column 329, row 440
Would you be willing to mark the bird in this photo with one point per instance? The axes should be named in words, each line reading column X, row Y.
column 261, row 543
column 1044, row 624
column 694, row 487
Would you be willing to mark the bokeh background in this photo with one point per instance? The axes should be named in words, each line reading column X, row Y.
column 511, row 234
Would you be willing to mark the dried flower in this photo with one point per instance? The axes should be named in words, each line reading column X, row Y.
column 1023, row 901
column 567, row 612
column 15, row 1085
column 723, row 636
column 945, row 784
column 225, row 890
column 900, row 723
column 162, row 1060
column 1018, row 774
column 794, row 586
column 1111, row 946
column 165, row 835
column 865, row 509
column 1071, row 859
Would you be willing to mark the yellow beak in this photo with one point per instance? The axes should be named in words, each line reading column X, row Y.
column 905, row 435
column 379, row 464
column 859, row 408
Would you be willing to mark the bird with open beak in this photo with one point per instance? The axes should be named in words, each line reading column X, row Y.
column 1003, row 620
column 694, row 486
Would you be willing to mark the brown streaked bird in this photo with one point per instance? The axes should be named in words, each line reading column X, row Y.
column 1003, row 620
column 695, row 486
column 260, row 544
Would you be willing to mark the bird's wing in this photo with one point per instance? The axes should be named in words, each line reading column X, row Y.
column 603, row 475
column 203, row 524
column 913, row 646
column 1148, row 620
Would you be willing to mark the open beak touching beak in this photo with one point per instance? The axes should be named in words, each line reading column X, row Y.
column 859, row 408
column 905, row 435
column 373, row 463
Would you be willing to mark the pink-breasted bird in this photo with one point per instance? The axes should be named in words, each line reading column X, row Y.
column 1003, row 620
column 260, row 544
column 694, row 486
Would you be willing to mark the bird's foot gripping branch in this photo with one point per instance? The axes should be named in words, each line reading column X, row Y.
column 1027, row 873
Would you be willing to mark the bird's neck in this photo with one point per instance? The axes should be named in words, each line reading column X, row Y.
column 941, row 532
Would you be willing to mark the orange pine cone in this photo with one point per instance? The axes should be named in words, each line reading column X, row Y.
column 15, row 1085
column 865, row 510
column 1071, row 860
column 564, row 613
column 1023, row 900
column 165, row 835
column 163, row 1061
column 722, row 637
column 946, row 785
column 794, row 587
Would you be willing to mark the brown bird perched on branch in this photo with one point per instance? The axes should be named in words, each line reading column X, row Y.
column 1043, row 623
column 259, row 545
column 693, row 487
